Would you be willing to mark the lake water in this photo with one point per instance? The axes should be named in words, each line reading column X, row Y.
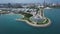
column 8, row 24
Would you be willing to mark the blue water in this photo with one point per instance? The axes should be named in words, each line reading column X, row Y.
column 8, row 24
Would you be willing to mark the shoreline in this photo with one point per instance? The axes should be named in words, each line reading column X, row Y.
column 35, row 25
column 13, row 14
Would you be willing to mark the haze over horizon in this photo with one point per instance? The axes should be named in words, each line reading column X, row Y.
column 29, row 1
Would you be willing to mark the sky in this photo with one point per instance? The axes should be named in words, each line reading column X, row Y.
column 28, row 1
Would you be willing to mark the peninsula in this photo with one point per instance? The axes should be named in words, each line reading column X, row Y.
column 35, row 18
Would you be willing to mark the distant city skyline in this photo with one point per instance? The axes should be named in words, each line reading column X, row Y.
column 29, row 1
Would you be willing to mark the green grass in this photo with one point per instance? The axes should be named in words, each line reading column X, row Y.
column 26, row 16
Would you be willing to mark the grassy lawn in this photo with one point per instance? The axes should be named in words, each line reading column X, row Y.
column 26, row 16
